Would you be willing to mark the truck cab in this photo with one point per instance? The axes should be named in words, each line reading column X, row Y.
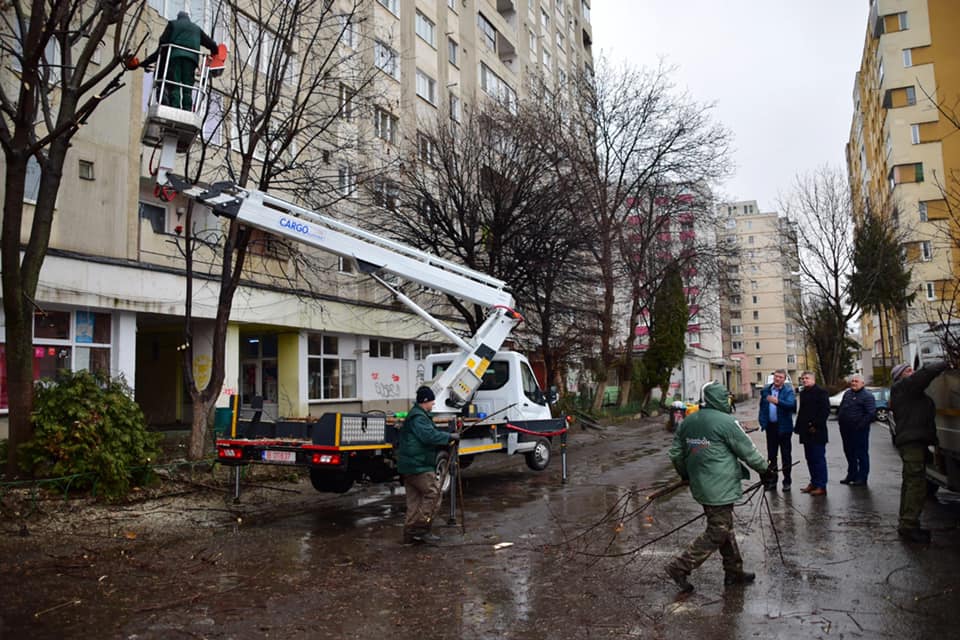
column 508, row 390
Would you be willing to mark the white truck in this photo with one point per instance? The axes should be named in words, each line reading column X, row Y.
column 491, row 397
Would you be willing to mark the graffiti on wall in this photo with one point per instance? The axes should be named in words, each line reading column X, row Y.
column 386, row 387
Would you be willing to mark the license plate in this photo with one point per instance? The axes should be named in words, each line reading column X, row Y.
column 287, row 457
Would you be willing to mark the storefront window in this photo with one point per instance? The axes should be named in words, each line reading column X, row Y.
column 331, row 377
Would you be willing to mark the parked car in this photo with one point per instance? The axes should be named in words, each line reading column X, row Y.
column 881, row 396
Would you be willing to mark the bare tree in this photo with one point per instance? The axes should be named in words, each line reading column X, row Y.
column 296, row 78
column 819, row 204
column 50, row 87
column 644, row 134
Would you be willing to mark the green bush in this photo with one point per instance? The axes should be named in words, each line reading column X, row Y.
column 88, row 424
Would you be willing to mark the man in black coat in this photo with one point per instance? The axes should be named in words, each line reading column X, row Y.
column 811, row 425
column 914, row 412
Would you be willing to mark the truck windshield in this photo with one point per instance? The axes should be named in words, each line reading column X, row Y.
column 496, row 376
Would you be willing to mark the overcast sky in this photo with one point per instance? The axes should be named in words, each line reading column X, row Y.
column 780, row 73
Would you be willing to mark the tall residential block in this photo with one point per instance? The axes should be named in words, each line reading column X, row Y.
column 760, row 300
column 111, row 292
column 903, row 156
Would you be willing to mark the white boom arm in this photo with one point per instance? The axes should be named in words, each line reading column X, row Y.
column 374, row 254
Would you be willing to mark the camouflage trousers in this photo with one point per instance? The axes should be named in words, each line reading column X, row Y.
column 423, row 499
column 718, row 535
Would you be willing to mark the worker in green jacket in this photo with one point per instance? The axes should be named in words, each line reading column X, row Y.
column 707, row 451
column 416, row 462
column 178, row 55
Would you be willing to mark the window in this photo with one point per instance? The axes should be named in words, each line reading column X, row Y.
column 391, row 5
column 453, row 52
column 533, row 42
column 346, row 101
column 385, row 193
column 346, row 181
column 452, row 4
column 426, row 150
column 734, row 315
column 736, row 346
column 915, row 134
column 756, row 346
column 547, row 60
column 753, row 284
column 736, row 330
column 156, row 214
column 922, row 207
column 496, row 88
column 756, row 315
column 931, row 290
column 488, row 34
column 422, row 350
column 330, row 376
column 902, row 20
column 454, row 108
column 65, row 340
column 907, row 58
column 348, row 32
column 213, row 123
column 880, row 72
column 386, row 59
column 544, row 20
column 754, row 299
column 759, row 360
column 426, row 87
column 426, row 29
column 926, row 251
column 85, row 170
column 791, row 359
column 906, row 173
column 585, row 10
column 31, row 187
column 560, row 41
column 387, row 349
column 756, row 330
column 749, row 239
column 385, row 125
column 735, row 300
column 911, row 93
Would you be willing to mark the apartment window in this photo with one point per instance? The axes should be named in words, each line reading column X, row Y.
column 348, row 32
column 156, row 214
column 533, row 42
column 385, row 194
column 426, row 87
column 791, row 359
column 759, row 375
column 756, row 346
column 907, row 58
column 487, row 32
column 736, row 346
column 902, row 20
column 386, row 59
column 759, row 360
column 880, row 72
column 454, row 108
column 422, row 350
column 585, row 10
column 85, row 170
column 926, row 251
column 911, row 96
column 931, row 290
column 736, row 329
column 385, row 125
column 393, row 6
column 31, row 187
column 330, row 375
column 560, row 41
column 906, row 173
column 756, row 315
column 346, row 102
column 387, row 349
column 922, row 208
column 735, row 300
column 754, row 299
column 426, row 150
column 544, row 19
column 753, row 284
column 495, row 87
column 756, row 330
column 426, row 29
column 453, row 52
column 915, row 133
column 749, row 239
column 547, row 60
column 346, row 181
column 452, row 4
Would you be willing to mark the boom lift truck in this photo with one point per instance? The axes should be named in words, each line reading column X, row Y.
column 340, row 448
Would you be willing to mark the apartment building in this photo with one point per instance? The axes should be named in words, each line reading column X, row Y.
column 112, row 288
column 902, row 158
column 760, row 297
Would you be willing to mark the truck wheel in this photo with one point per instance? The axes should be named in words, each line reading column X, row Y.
column 539, row 457
column 330, row 481
column 443, row 462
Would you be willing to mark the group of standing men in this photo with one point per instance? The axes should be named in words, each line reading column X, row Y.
column 710, row 449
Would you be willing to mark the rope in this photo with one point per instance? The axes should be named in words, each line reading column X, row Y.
column 543, row 434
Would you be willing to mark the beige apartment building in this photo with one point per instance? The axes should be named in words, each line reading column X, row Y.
column 902, row 158
column 760, row 301
column 111, row 294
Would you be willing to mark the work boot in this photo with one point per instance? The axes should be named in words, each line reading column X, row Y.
column 846, row 481
column 426, row 538
column 915, row 535
column 787, row 484
column 738, row 577
column 680, row 578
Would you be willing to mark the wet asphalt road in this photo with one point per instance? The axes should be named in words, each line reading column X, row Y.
column 582, row 562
